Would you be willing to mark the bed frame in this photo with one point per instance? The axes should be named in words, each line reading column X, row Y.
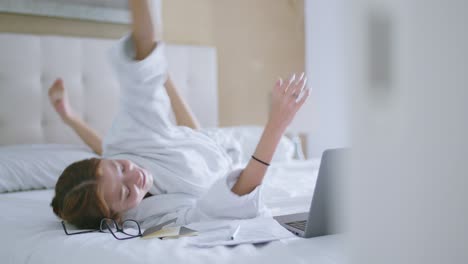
column 30, row 63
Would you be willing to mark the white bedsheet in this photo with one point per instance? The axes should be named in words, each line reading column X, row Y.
column 30, row 233
column 288, row 186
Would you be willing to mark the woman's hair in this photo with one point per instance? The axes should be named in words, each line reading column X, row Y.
column 78, row 198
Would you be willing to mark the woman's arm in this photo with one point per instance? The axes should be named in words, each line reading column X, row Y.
column 288, row 97
column 144, row 37
column 59, row 100
column 182, row 111
column 143, row 32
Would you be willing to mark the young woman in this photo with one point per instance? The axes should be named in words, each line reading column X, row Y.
column 150, row 168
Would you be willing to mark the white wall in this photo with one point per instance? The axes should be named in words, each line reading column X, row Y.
column 325, row 115
column 407, row 188
column 409, row 182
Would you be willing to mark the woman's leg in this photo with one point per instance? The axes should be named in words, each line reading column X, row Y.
column 183, row 114
column 59, row 100
column 143, row 35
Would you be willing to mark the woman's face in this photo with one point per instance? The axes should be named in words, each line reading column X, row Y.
column 124, row 183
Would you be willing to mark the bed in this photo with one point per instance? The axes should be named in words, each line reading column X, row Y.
column 35, row 146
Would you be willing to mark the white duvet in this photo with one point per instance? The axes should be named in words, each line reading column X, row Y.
column 31, row 233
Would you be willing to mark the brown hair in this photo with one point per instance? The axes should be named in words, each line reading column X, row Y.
column 78, row 198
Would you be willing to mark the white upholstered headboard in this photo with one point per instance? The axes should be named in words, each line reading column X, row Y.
column 30, row 63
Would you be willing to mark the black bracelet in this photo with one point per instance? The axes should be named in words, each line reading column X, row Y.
column 264, row 163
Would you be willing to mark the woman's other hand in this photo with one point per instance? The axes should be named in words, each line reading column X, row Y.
column 287, row 98
column 59, row 100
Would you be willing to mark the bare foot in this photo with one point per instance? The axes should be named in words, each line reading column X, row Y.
column 59, row 100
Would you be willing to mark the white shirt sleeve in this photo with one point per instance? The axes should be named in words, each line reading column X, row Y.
column 122, row 57
column 144, row 107
column 219, row 202
column 142, row 81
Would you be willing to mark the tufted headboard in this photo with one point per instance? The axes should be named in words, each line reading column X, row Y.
column 30, row 63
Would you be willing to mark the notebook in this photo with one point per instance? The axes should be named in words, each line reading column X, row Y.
column 162, row 231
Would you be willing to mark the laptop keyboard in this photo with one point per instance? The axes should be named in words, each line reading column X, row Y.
column 301, row 225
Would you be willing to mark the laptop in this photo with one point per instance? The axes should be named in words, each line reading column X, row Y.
column 324, row 213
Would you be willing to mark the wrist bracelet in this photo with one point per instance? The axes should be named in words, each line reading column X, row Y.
column 264, row 163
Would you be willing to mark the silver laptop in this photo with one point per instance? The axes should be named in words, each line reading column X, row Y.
column 325, row 209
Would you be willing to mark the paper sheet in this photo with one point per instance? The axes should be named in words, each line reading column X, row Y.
column 252, row 231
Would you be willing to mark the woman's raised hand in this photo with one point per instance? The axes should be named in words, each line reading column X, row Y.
column 59, row 100
column 287, row 98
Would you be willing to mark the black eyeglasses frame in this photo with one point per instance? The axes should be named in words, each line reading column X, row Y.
column 103, row 225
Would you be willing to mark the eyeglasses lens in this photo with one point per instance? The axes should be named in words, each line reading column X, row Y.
column 130, row 228
column 107, row 224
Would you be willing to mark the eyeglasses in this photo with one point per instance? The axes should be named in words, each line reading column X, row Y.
column 130, row 228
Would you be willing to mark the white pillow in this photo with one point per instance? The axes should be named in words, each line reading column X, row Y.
column 28, row 167
column 249, row 136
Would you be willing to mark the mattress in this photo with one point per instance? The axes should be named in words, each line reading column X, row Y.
column 31, row 233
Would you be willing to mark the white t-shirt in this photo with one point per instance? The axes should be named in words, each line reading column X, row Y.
column 193, row 173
